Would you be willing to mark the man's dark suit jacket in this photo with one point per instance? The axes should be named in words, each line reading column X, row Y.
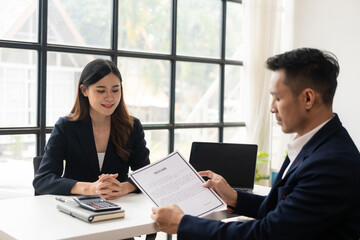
column 319, row 197
column 74, row 142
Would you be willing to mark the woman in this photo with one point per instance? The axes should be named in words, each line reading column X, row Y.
column 98, row 140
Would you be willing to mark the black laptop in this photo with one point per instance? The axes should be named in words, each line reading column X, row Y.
column 235, row 162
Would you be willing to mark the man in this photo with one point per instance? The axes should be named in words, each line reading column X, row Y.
column 316, row 194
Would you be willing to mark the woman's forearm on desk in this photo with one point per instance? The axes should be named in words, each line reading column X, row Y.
column 128, row 187
column 86, row 188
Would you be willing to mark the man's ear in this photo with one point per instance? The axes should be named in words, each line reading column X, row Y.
column 308, row 98
column 83, row 90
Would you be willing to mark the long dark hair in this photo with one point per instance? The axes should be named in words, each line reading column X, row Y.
column 121, row 121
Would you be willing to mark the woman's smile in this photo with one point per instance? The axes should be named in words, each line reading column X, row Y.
column 107, row 106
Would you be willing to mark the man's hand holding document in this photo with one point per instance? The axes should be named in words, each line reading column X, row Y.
column 173, row 180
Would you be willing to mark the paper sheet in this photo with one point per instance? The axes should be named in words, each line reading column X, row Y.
column 173, row 180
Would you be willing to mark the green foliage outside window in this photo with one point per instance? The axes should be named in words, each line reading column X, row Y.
column 262, row 167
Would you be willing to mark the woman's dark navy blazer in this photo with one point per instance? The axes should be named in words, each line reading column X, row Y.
column 74, row 142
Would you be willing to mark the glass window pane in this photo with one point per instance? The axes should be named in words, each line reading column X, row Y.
column 234, row 32
column 146, row 88
column 18, row 88
column 197, row 92
column 158, row 143
column 199, row 28
column 185, row 137
column 235, row 135
column 236, row 98
column 63, row 73
column 80, row 23
column 19, row 20
column 145, row 25
column 16, row 168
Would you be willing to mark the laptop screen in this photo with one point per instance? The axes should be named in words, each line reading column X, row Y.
column 235, row 162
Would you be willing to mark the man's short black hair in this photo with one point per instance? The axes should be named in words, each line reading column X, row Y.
column 308, row 68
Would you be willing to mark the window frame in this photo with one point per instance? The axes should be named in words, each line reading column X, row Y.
column 42, row 47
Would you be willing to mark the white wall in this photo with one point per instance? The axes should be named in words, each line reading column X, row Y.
column 334, row 25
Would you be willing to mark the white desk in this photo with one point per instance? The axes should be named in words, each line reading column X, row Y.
column 36, row 218
column 31, row 218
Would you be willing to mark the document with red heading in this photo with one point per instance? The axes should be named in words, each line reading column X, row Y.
column 173, row 180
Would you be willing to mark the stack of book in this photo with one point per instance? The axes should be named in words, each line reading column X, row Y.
column 73, row 209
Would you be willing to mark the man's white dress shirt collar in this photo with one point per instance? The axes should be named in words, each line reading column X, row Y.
column 295, row 145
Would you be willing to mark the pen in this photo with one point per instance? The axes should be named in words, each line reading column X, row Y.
column 62, row 199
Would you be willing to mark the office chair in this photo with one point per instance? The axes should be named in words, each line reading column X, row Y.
column 36, row 163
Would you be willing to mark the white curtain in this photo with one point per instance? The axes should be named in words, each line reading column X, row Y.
column 262, row 27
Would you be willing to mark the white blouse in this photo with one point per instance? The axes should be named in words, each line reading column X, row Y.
column 101, row 157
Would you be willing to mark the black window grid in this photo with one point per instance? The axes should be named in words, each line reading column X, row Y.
column 42, row 48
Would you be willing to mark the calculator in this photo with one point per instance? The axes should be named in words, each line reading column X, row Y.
column 95, row 203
